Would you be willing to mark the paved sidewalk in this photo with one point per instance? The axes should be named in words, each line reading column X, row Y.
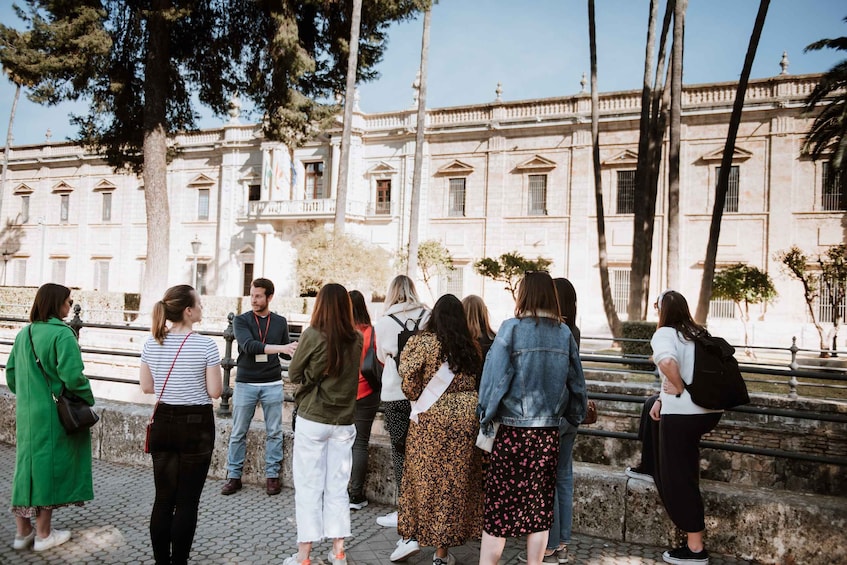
column 247, row 528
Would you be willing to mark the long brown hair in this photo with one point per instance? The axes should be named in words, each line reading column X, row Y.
column 48, row 302
column 537, row 297
column 333, row 317
column 477, row 315
column 171, row 308
column 567, row 301
column 674, row 313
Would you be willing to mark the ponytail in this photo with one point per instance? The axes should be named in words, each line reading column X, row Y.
column 159, row 329
column 171, row 308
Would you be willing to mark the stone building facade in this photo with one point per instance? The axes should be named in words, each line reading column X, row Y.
column 497, row 177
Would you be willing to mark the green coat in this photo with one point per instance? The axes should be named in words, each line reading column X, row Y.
column 51, row 467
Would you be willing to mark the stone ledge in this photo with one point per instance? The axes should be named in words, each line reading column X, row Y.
column 765, row 525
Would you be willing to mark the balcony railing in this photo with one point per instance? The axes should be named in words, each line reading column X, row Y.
column 312, row 208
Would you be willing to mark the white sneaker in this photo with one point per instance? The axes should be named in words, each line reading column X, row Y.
column 56, row 537
column 450, row 560
column 633, row 473
column 25, row 541
column 293, row 561
column 405, row 548
column 388, row 521
column 337, row 558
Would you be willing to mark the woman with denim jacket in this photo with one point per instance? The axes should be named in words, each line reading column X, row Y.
column 532, row 384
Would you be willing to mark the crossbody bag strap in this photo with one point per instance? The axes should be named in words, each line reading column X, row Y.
column 40, row 366
column 158, row 400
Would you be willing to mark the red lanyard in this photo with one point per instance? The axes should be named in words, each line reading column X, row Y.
column 262, row 338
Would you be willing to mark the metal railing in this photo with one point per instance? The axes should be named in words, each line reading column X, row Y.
column 790, row 374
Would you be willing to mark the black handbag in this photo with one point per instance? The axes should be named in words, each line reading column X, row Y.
column 75, row 414
column 371, row 367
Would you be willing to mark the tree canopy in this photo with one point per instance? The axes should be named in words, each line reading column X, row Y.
column 509, row 268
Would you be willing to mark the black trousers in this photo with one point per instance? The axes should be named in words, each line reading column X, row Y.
column 677, row 466
column 182, row 439
column 366, row 409
column 397, row 422
column 648, row 434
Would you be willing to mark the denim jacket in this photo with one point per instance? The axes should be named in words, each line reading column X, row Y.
column 532, row 377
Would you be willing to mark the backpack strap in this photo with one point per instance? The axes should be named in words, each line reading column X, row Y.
column 396, row 319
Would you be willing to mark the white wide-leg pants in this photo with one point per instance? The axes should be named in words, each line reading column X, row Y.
column 323, row 459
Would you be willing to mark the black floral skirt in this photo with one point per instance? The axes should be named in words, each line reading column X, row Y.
column 520, row 481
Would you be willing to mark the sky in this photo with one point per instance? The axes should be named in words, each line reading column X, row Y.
column 537, row 49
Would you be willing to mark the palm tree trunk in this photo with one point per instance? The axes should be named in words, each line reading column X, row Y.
column 608, row 302
column 726, row 162
column 7, row 152
column 347, row 132
column 155, row 158
column 675, row 142
column 417, row 174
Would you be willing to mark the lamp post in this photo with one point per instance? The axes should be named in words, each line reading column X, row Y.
column 6, row 255
column 195, row 250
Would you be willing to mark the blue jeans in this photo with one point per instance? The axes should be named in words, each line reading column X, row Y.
column 244, row 401
column 560, row 531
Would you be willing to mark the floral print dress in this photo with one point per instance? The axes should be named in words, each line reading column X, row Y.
column 441, row 495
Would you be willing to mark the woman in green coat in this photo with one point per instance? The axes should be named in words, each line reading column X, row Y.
column 52, row 468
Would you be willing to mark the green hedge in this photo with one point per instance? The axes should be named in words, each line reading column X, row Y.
column 637, row 330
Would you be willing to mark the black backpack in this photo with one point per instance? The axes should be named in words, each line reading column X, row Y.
column 406, row 332
column 717, row 382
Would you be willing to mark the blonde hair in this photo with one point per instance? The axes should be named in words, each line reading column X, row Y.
column 171, row 308
column 401, row 289
column 477, row 314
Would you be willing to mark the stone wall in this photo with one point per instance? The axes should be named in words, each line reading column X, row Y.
column 760, row 524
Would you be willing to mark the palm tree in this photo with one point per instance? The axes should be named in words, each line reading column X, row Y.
column 420, row 127
column 608, row 302
column 827, row 133
column 347, row 132
column 726, row 162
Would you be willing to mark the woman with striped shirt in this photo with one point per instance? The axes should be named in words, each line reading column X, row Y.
column 183, row 369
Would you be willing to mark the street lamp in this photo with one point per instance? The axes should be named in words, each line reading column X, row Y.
column 6, row 255
column 195, row 250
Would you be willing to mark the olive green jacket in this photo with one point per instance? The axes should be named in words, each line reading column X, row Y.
column 328, row 400
column 51, row 467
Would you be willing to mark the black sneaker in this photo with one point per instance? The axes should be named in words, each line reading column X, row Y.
column 358, row 503
column 682, row 556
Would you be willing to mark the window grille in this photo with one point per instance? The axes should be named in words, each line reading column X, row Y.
column 824, row 303
column 315, row 180
column 626, row 192
column 620, row 289
column 247, row 279
column 457, row 197
column 101, row 276
column 732, row 191
column 721, row 308
column 64, row 208
column 537, row 195
column 383, row 196
column 203, row 204
column 833, row 194
column 25, row 209
column 451, row 282
column 106, row 212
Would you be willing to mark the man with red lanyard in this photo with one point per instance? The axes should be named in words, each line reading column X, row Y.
column 262, row 337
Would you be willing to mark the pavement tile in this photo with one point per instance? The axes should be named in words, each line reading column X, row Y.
column 247, row 528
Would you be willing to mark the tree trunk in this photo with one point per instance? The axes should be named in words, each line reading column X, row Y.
column 417, row 174
column 8, row 149
column 608, row 302
column 675, row 142
column 155, row 148
column 347, row 133
column 726, row 162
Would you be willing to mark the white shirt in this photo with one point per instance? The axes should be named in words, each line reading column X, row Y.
column 387, row 329
column 667, row 343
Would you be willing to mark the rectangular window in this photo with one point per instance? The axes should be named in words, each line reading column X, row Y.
column 247, row 279
column 59, row 269
column 106, row 214
column 64, row 209
column 383, row 196
column 825, row 309
column 314, row 180
column 101, row 275
column 720, row 308
column 620, row 289
column 457, row 197
column 203, row 204
column 537, row 195
column 200, row 281
column 254, row 192
column 25, row 209
column 451, row 282
column 732, row 191
column 626, row 192
column 20, row 272
column 833, row 193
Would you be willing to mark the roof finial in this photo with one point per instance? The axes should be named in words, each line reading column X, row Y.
column 47, row 135
column 499, row 92
column 582, row 83
column 783, row 63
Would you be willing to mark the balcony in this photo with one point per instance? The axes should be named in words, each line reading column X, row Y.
column 313, row 209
